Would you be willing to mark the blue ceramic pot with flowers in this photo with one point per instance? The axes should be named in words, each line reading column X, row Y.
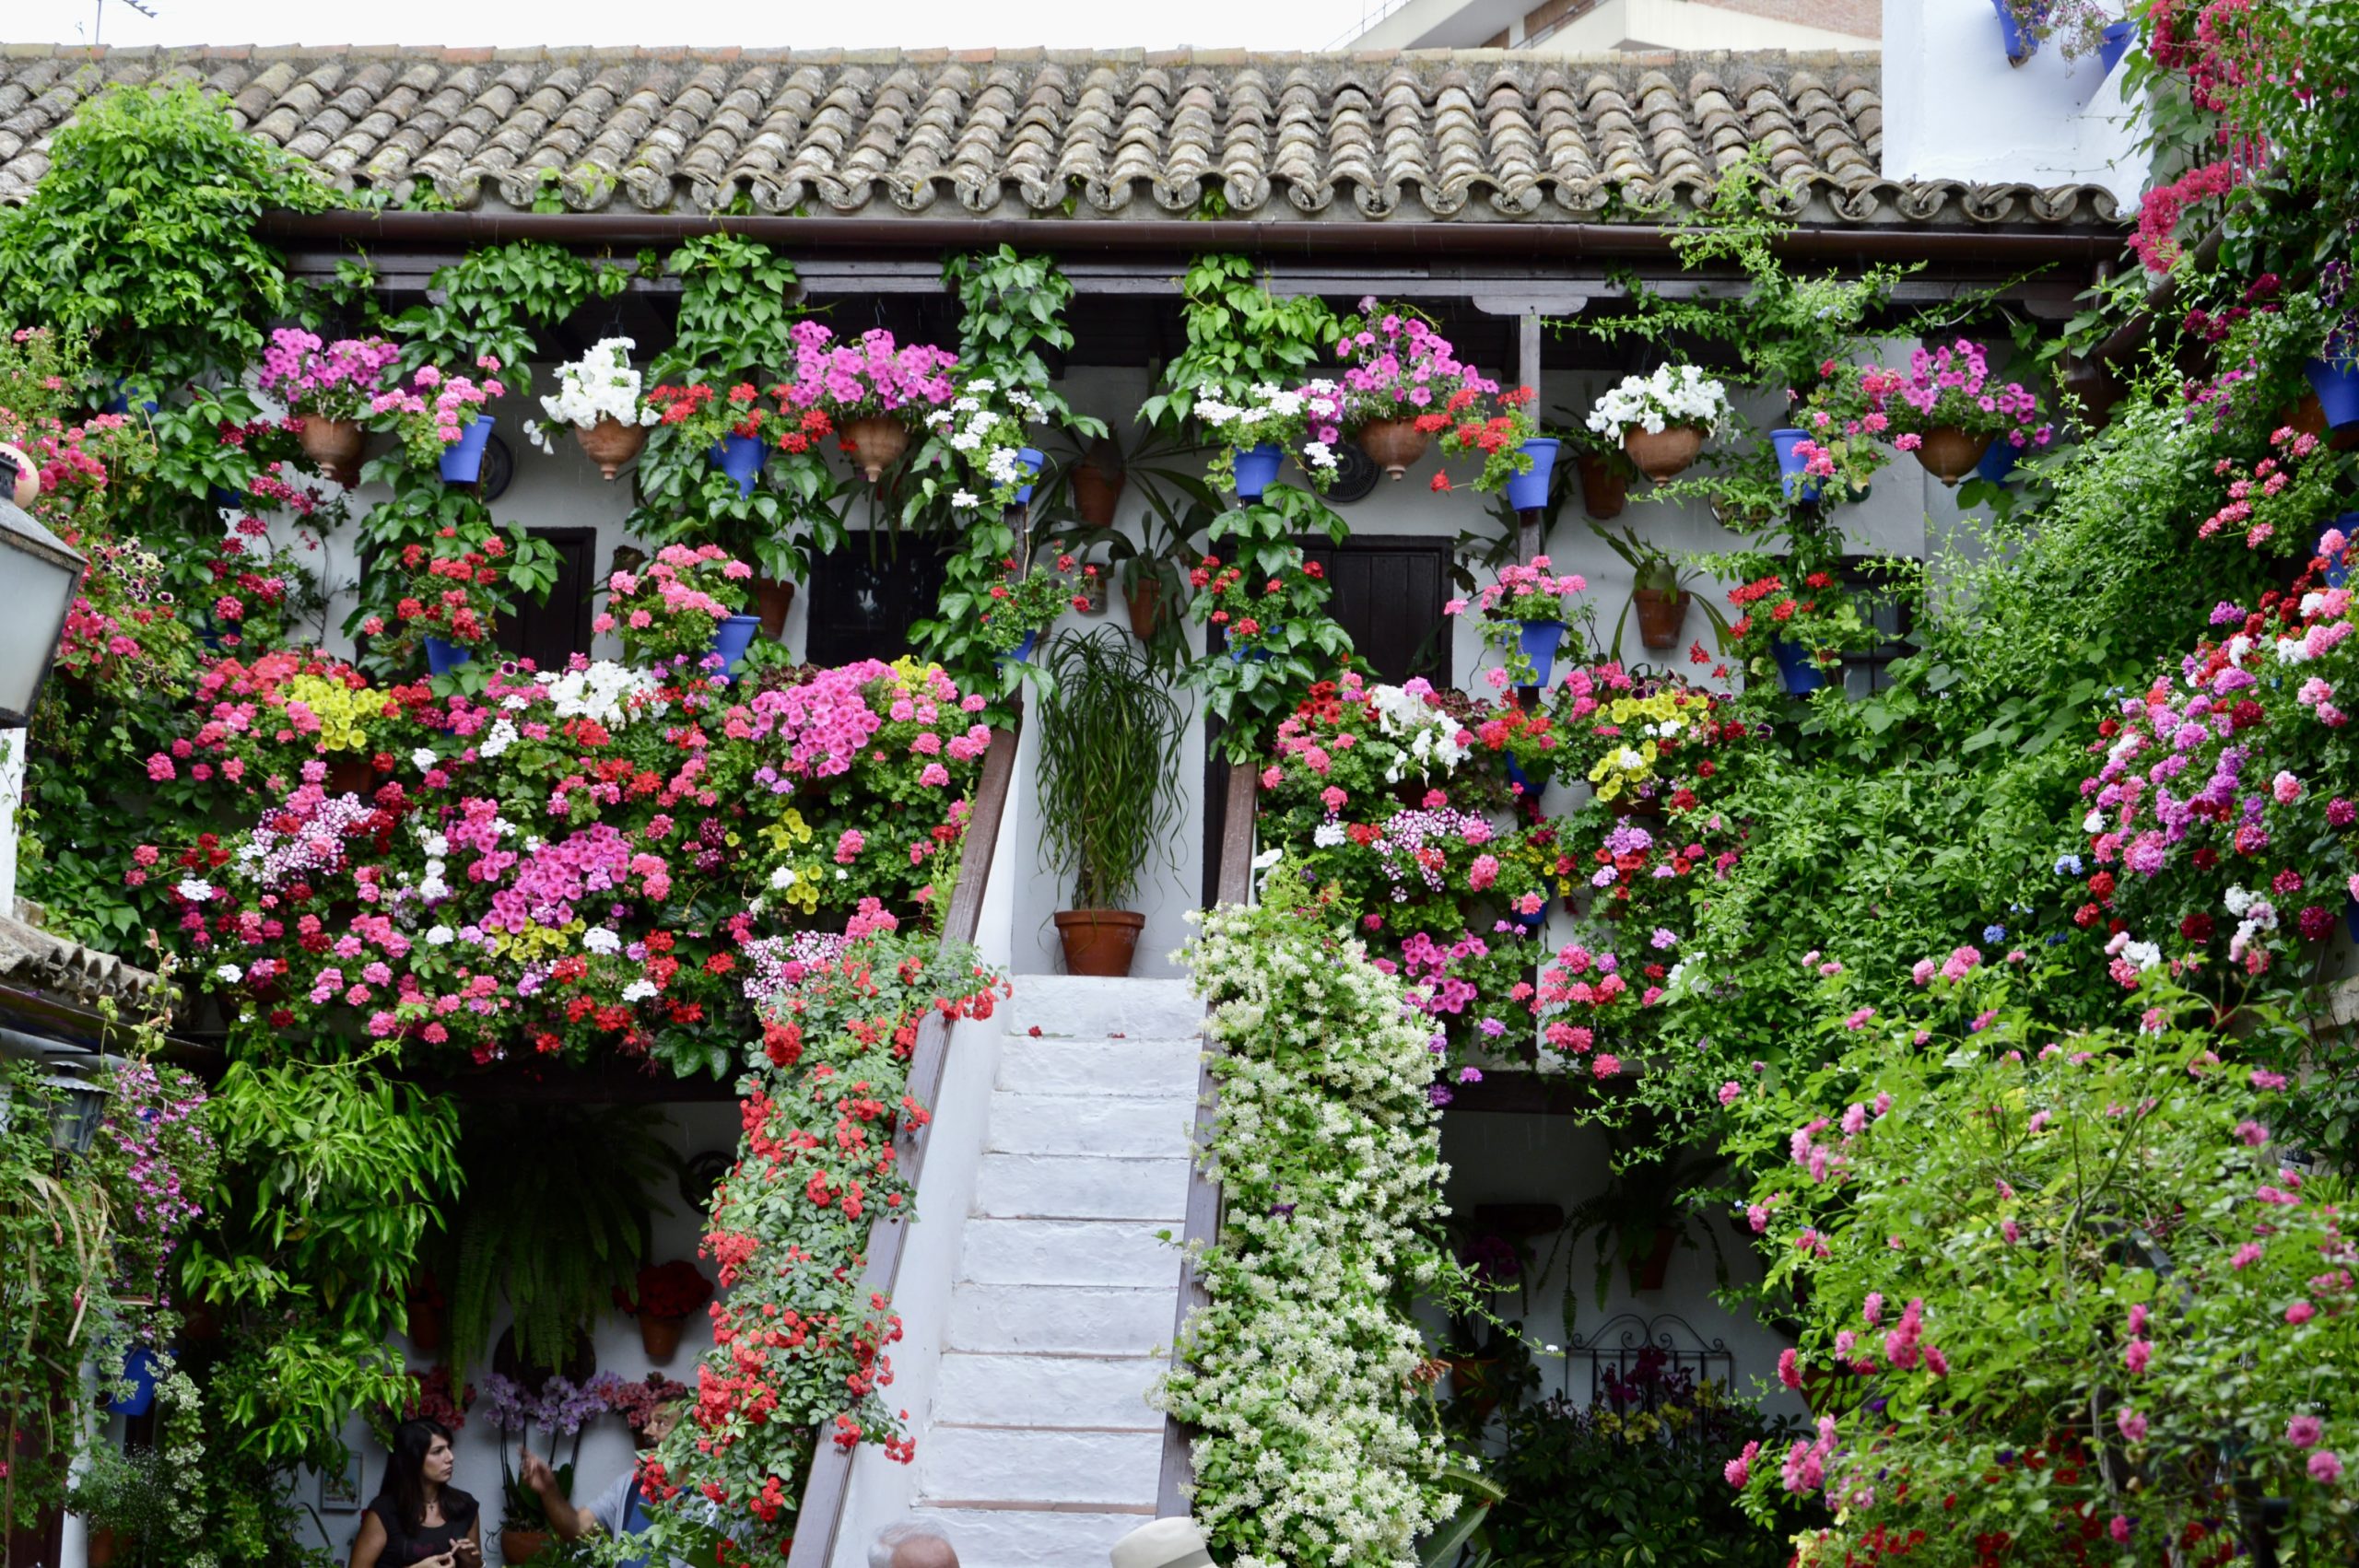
column 1530, row 924
column 1998, row 464
column 139, row 1371
column 1022, row 653
column 1539, row 641
column 442, row 657
column 1796, row 668
column 2336, row 381
column 2021, row 43
column 1029, row 460
column 2113, row 42
column 731, row 638
column 2338, row 567
column 1256, row 468
column 1238, row 653
column 1793, row 468
column 741, row 458
column 1529, row 489
column 463, row 459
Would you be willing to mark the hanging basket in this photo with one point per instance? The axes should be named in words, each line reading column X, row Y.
column 1095, row 493
column 773, row 597
column 660, row 1338
column 1606, row 487
column 1662, row 616
column 610, row 443
column 1393, row 444
column 1663, row 454
column 334, row 447
column 877, row 443
column 1950, row 454
column 1145, row 600
column 461, row 460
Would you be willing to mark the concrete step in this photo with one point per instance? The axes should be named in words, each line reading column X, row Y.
column 1089, row 1124
column 1092, row 1187
column 1039, row 1537
column 1143, row 1069
column 1066, row 1252
column 1046, row 1392
column 989, row 1464
column 1078, row 1008
column 1063, row 1319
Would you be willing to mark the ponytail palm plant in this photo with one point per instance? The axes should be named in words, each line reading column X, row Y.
column 1109, row 742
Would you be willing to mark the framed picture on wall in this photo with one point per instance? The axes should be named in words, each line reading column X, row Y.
column 340, row 1489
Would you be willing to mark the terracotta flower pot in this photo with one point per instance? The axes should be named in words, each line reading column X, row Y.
column 1605, row 489
column 1144, row 598
column 1099, row 941
column 1647, row 1273
column 1661, row 455
column 523, row 1546
column 1095, row 493
column 28, row 482
column 2308, row 417
column 1660, row 616
column 660, row 1337
column 351, row 775
column 1393, row 444
column 773, row 597
column 1949, row 454
column 877, row 443
column 335, row 446
column 610, row 443
column 100, row 1548
column 425, row 1326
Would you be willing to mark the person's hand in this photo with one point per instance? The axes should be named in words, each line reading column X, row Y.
column 537, row 1473
column 445, row 1559
column 465, row 1554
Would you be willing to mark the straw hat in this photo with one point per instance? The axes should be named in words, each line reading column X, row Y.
column 1166, row 1543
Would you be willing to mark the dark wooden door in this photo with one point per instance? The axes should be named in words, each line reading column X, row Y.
column 553, row 631
column 866, row 597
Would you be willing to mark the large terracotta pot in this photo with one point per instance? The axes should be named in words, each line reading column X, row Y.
column 1949, row 454
column 1605, row 489
column 523, row 1546
column 773, row 597
column 610, row 443
column 877, row 443
column 351, row 775
column 335, row 446
column 1099, row 941
column 1393, row 444
column 1095, row 493
column 1660, row 616
column 98, row 1549
column 1647, row 1273
column 1661, row 455
column 660, row 1337
column 27, row 482
column 1144, row 598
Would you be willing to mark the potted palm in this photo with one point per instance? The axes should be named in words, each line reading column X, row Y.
column 1110, row 740
column 1658, row 591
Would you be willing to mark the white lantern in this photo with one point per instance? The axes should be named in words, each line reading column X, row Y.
column 38, row 577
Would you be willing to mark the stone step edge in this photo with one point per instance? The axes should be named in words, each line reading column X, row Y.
column 1035, row 1426
column 991, row 1505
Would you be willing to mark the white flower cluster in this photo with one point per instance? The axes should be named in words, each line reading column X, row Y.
column 605, row 692
column 1426, row 734
column 1674, row 394
column 601, row 384
column 988, row 435
column 1296, row 1376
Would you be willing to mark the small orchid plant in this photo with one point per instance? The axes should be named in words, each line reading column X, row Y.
column 601, row 384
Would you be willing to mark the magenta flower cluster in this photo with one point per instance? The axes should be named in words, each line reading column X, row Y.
column 328, row 381
column 872, row 377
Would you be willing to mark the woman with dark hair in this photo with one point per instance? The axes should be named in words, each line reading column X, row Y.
column 419, row 1519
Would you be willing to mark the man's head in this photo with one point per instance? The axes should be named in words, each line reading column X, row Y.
column 911, row 1546
column 664, row 1417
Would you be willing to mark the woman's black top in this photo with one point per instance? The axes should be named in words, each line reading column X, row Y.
column 404, row 1546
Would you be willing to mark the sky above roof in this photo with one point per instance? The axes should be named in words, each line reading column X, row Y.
column 905, row 24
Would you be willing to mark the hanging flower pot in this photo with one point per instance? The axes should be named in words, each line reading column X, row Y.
column 877, row 443
column 1100, row 942
column 99, row 1546
column 2114, row 42
column 1538, row 641
column 773, row 597
column 731, row 638
column 2337, row 384
column 442, row 657
column 1532, row 924
column 1662, row 454
column 1393, row 444
column 523, row 1546
column 1949, row 454
column 1022, row 653
column 1090, row 589
column 1144, row 599
column 425, row 1326
column 462, row 462
column 1661, row 614
column 660, row 1338
column 610, row 443
column 1796, row 668
column 1029, row 460
column 1998, row 464
column 139, row 1371
column 741, row 458
column 1648, row 1272
column 1605, row 488
column 2021, row 44
column 351, row 775
column 1256, row 468
column 1096, row 492
column 1239, row 654
column 1525, row 491
column 334, row 447
column 1793, row 469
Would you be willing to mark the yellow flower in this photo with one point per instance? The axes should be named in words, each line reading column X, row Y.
column 340, row 710
column 1622, row 768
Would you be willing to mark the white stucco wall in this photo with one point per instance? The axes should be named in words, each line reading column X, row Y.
column 1954, row 109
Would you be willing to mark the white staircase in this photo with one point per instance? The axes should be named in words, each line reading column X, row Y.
column 1041, row 1451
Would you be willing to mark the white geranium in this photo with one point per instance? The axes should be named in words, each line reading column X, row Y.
column 601, row 384
column 605, row 693
column 1674, row 394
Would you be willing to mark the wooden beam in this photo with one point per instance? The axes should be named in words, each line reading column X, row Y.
column 820, row 1517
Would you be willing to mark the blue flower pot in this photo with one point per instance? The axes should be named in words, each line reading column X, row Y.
column 1256, row 466
column 1239, row 654
column 463, row 459
column 2338, row 570
column 1525, row 491
column 1022, row 653
column 1517, row 775
column 1793, row 468
column 121, row 401
column 2117, row 38
column 741, row 458
column 1795, row 667
column 442, row 658
column 1999, row 463
column 139, row 1369
column 223, row 498
column 1539, row 641
column 2351, row 916
column 731, row 638
column 2021, row 45
column 1028, row 459
column 1531, row 924
column 2337, row 384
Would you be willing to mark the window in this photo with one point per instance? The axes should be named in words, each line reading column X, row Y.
column 1388, row 593
column 553, row 631
column 866, row 597
column 1889, row 613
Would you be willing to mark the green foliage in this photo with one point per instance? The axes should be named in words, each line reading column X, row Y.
column 1013, row 314
column 1240, row 335
column 489, row 300
column 1109, row 773
column 1251, row 694
column 555, row 1220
